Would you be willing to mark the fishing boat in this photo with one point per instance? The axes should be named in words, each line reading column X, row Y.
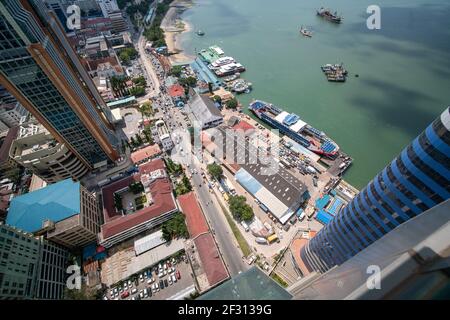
column 335, row 72
column 200, row 33
column 328, row 15
column 305, row 32
column 295, row 128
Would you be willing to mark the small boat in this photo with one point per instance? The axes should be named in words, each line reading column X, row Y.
column 241, row 86
column 200, row 33
column 232, row 77
column 305, row 32
column 328, row 15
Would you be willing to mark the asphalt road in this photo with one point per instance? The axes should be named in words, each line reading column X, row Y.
column 222, row 231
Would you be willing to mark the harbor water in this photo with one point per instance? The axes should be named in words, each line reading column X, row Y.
column 403, row 68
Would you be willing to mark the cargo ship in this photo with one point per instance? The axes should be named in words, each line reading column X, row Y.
column 292, row 126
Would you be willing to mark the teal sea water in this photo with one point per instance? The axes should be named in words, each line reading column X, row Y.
column 404, row 68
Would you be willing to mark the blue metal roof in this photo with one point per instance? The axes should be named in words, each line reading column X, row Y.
column 323, row 217
column 247, row 181
column 55, row 202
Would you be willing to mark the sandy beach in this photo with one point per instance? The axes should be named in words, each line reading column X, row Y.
column 173, row 27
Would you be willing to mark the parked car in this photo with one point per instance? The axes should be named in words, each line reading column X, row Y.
column 161, row 284
column 178, row 274
column 174, row 279
column 125, row 294
column 134, row 291
column 166, row 284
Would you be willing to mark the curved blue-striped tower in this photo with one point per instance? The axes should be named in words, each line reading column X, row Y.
column 418, row 179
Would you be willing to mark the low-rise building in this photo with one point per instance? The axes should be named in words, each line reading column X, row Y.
column 37, row 150
column 118, row 22
column 160, row 205
column 65, row 212
column 145, row 154
column 205, row 112
column 162, row 135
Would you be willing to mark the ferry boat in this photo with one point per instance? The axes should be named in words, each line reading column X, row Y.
column 221, row 62
column 328, row 15
column 292, row 126
column 229, row 69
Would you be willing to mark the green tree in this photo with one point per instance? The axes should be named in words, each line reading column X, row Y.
column 189, row 81
column 240, row 209
column 175, row 228
column 176, row 71
column 215, row 170
column 118, row 202
column 133, row 142
column 139, row 139
column 218, row 99
column 232, row 103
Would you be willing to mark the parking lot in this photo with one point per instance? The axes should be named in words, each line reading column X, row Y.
column 148, row 286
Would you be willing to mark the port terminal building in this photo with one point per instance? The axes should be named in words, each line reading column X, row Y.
column 278, row 193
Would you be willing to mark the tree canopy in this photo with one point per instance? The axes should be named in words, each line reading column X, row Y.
column 215, row 170
column 232, row 103
column 240, row 209
column 175, row 228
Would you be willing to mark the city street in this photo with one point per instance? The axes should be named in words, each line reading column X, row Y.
column 221, row 230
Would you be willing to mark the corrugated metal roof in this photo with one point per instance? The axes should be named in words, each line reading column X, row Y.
column 148, row 242
column 55, row 202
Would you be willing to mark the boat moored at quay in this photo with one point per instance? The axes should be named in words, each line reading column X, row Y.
column 298, row 130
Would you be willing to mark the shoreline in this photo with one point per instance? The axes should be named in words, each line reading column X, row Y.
column 174, row 27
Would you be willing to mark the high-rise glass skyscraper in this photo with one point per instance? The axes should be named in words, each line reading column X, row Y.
column 418, row 179
column 40, row 69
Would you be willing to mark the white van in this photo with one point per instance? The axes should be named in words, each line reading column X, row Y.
column 246, row 228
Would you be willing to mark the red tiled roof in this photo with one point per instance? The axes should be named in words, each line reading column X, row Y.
column 206, row 247
column 176, row 90
column 145, row 153
column 211, row 261
column 163, row 201
column 243, row 125
column 195, row 220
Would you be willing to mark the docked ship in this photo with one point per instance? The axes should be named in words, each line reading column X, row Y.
column 221, row 62
column 328, row 15
column 298, row 130
column 229, row 69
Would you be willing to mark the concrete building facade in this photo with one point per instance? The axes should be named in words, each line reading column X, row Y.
column 37, row 150
column 30, row 267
